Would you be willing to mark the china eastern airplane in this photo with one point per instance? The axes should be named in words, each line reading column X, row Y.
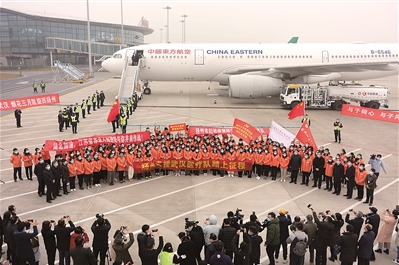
column 259, row 70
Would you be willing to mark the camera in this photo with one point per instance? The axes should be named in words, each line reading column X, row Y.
column 123, row 227
column 187, row 223
column 372, row 156
column 351, row 210
column 30, row 220
column 310, row 206
column 99, row 215
column 66, row 216
column 52, row 221
column 154, row 230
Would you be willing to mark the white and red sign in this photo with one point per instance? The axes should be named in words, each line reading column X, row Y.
column 202, row 130
column 27, row 102
column 280, row 134
column 371, row 114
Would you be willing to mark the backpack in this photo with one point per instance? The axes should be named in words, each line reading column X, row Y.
column 299, row 247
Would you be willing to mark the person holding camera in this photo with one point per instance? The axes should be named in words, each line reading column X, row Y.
column 81, row 255
column 284, row 222
column 100, row 229
column 325, row 230
column 243, row 252
column 121, row 247
column 49, row 240
column 63, row 235
column 311, row 229
column 357, row 222
column 385, row 235
column 145, row 229
column 23, row 243
column 150, row 253
column 78, row 232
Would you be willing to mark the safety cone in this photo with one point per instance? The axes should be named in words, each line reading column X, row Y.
column 214, row 101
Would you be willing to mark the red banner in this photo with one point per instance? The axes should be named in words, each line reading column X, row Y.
column 177, row 127
column 245, row 131
column 202, row 130
column 371, row 114
column 304, row 135
column 75, row 144
column 27, row 102
column 207, row 164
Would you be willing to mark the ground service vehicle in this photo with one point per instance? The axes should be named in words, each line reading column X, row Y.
column 334, row 96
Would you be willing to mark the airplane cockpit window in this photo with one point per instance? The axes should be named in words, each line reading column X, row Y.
column 117, row 56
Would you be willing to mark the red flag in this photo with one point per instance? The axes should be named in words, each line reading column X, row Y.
column 245, row 131
column 113, row 111
column 298, row 110
column 304, row 135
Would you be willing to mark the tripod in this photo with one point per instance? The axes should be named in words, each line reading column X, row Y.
column 108, row 256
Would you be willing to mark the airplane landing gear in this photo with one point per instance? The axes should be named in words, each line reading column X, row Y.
column 147, row 91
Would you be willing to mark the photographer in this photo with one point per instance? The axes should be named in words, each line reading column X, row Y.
column 357, row 222
column 253, row 221
column 49, row 240
column 23, row 243
column 242, row 253
column 121, row 247
column 81, row 255
column 186, row 250
column 11, row 245
column 100, row 229
column 78, row 232
column 63, row 235
column 150, row 254
column 197, row 236
column 325, row 230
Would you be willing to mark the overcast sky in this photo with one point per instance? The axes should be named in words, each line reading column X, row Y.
column 237, row 21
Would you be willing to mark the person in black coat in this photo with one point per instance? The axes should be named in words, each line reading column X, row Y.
column 23, row 244
column 39, row 170
column 11, row 228
column 226, row 235
column 256, row 240
column 64, row 176
column 186, row 250
column 81, row 255
column 197, row 236
column 325, row 231
column 338, row 222
column 150, row 254
column 318, row 166
column 242, row 253
column 49, row 180
column 121, row 247
column 100, row 229
column 17, row 114
column 60, row 121
column 295, row 166
column 49, row 241
column 357, row 222
column 55, row 169
column 350, row 180
column 63, row 234
column 338, row 176
column 284, row 222
column 348, row 242
column 365, row 245
column 374, row 220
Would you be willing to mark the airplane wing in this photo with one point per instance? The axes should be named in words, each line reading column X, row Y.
column 293, row 71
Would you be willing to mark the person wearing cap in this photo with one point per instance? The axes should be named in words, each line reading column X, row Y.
column 88, row 104
column 123, row 122
column 390, row 219
column 284, row 222
column 310, row 229
column 374, row 220
column 16, row 161
column 356, row 222
column 83, row 106
column 121, row 247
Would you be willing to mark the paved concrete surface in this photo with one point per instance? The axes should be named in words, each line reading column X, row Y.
column 163, row 202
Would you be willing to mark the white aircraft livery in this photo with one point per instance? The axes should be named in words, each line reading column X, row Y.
column 258, row 70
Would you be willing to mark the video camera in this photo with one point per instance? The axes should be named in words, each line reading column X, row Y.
column 310, row 206
column 189, row 223
column 98, row 215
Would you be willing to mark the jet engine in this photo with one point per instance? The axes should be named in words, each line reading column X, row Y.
column 253, row 86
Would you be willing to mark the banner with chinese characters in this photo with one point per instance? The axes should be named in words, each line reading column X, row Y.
column 177, row 127
column 27, row 102
column 202, row 130
column 371, row 114
column 280, row 134
column 206, row 164
column 244, row 131
column 74, row 144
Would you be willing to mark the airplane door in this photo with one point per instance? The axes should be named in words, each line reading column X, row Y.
column 199, row 57
column 325, row 58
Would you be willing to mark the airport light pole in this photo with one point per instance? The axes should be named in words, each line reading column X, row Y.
column 167, row 22
column 182, row 31
column 122, row 24
column 184, row 28
column 161, row 33
column 89, row 41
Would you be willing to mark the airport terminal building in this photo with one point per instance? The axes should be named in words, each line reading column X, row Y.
column 33, row 41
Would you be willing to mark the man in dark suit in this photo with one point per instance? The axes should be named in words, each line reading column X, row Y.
column 11, row 228
column 63, row 234
column 338, row 175
column 17, row 114
column 81, row 255
column 374, row 220
column 23, row 244
column 100, row 229
column 350, row 180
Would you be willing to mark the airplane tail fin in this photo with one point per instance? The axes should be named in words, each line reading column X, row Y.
column 293, row 40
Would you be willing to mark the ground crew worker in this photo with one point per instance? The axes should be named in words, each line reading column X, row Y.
column 88, row 103
column 123, row 122
column 34, row 87
column 65, row 118
column 16, row 161
column 98, row 99
column 130, row 105
column 337, row 130
column 102, row 98
column 76, row 110
column 94, row 100
column 74, row 122
column 83, row 107
column 43, row 86
column 60, row 121
column 17, row 114
column 306, row 118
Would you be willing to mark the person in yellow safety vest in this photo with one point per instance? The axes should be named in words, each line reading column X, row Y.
column 83, row 107
column 134, row 98
column 123, row 122
column 34, row 87
column 74, row 122
column 43, row 86
column 167, row 257
column 88, row 103
column 337, row 130
column 130, row 105
column 76, row 110
column 306, row 118
column 94, row 100
column 125, row 110
column 65, row 118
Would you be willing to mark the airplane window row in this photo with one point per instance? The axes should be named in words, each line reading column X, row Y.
column 364, row 56
column 169, row 57
column 267, row 57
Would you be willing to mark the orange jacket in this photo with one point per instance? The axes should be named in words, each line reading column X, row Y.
column 97, row 165
column 205, row 155
column 197, row 156
column 129, row 160
column 121, row 162
column 71, row 170
column 111, row 164
column 177, row 155
column 28, row 160
column 36, row 158
column 103, row 162
column 46, row 155
column 267, row 159
column 329, row 170
column 230, row 156
column 16, row 160
column 155, row 153
column 187, row 155
column 249, row 157
column 241, row 156
column 79, row 167
column 284, row 162
column 258, row 159
column 88, row 167
column 306, row 165
column 275, row 160
column 360, row 177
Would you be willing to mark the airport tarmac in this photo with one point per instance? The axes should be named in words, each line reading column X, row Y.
column 163, row 202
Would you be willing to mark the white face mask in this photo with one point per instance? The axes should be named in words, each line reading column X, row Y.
column 371, row 173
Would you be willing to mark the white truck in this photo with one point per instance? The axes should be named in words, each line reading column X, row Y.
column 334, row 96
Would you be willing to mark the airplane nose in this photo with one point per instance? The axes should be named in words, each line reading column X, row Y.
column 105, row 65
